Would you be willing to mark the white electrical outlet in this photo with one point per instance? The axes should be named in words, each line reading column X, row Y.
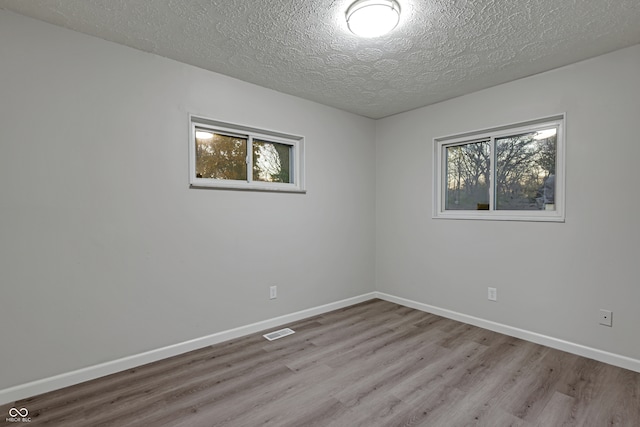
column 606, row 317
column 492, row 294
column 273, row 292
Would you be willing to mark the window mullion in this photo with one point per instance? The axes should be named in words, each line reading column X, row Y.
column 492, row 173
column 292, row 168
column 250, row 159
column 444, row 184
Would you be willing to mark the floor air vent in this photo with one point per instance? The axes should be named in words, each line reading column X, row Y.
column 278, row 334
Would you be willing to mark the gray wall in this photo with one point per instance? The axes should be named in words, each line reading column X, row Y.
column 104, row 250
column 552, row 278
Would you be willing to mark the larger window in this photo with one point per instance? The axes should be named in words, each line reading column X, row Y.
column 231, row 156
column 513, row 172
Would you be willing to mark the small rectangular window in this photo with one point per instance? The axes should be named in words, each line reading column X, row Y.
column 513, row 172
column 224, row 155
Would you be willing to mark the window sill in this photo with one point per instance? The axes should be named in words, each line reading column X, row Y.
column 271, row 188
column 506, row 216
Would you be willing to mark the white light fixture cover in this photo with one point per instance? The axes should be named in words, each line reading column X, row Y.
column 373, row 18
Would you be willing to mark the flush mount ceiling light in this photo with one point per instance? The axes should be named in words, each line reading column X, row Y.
column 373, row 18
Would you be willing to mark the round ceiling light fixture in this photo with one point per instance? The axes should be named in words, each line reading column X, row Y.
column 373, row 18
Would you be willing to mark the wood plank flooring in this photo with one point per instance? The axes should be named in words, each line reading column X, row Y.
column 372, row 364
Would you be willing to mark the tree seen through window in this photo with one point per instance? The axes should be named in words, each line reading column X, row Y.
column 224, row 157
column 524, row 176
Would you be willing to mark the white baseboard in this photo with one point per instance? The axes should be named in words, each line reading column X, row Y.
column 56, row 382
column 569, row 347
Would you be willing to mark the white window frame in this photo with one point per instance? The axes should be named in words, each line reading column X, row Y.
column 440, row 145
column 296, row 169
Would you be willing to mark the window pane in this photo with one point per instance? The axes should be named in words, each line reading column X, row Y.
column 468, row 169
column 525, row 172
column 271, row 161
column 220, row 156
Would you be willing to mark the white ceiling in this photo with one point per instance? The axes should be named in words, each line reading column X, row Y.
column 441, row 48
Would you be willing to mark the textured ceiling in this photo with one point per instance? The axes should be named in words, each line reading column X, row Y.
column 441, row 48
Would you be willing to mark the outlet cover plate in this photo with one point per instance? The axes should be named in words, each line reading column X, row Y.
column 606, row 317
column 492, row 294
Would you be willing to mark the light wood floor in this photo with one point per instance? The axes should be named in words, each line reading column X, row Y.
column 372, row 364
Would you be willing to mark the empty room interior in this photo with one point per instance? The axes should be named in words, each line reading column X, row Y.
column 444, row 215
